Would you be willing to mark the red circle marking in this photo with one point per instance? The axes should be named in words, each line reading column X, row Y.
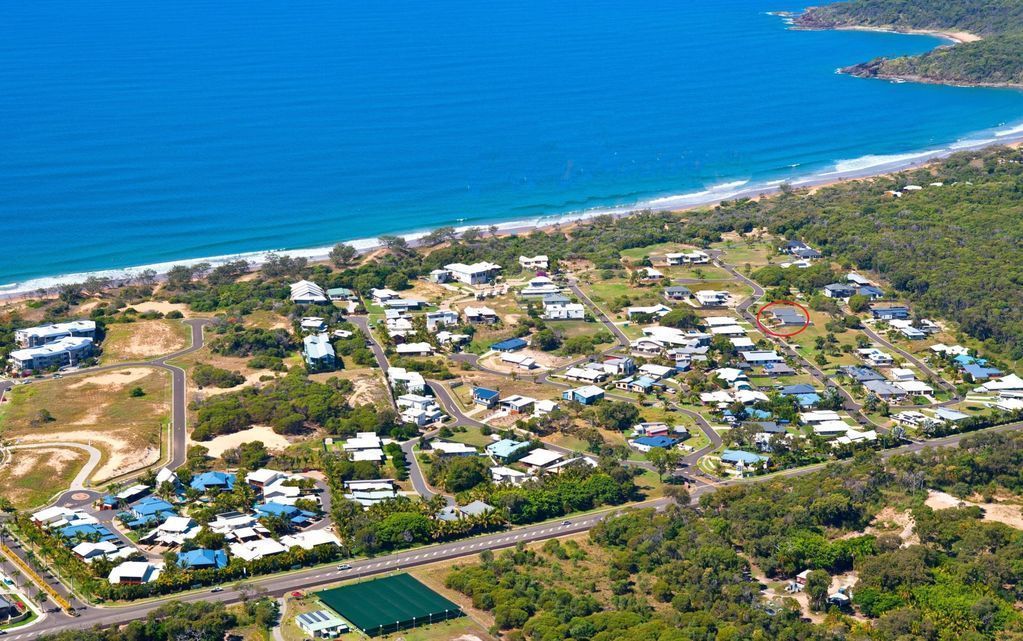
column 788, row 303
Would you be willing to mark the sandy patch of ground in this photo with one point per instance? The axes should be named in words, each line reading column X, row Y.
column 217, row 446
column 33, row 476
column 99, row 411
column 142, row 339
column 113, row 379
column 252, row 379
column 88, row 306
column 366, row 392
column 123, row 456
column 544, row 359
column 162, row 307
column 997, row 512
column 23, row 462
column 891, row 521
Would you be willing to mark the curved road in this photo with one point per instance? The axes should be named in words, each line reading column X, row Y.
column 78, row 483
column 78, row 496
column 321, row 576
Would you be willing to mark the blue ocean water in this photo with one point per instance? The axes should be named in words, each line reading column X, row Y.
column 137, row 133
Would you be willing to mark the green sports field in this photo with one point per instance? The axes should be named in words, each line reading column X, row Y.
column 386, row 605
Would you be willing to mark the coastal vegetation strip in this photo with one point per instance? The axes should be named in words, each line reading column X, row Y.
column 989, row 35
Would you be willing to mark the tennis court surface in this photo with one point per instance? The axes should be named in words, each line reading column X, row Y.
column 390, row 604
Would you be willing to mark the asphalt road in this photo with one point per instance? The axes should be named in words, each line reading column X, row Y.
column 317, row 577
column 313, row 578
column 78, row 496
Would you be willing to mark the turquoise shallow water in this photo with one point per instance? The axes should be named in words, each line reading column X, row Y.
column 139, row 134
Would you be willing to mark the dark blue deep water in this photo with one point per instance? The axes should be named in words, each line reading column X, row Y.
column 136, row 133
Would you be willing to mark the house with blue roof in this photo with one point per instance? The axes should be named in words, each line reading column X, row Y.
column 509, row 345
column 889, row 312
column 206, row 481
column 980, row 372
column 149, row 510
column 792, row 390
column 485, row 396
column 88, row 531
column 587, row 395
column 318, row 353
column 807, row 400
column 950, row 415
column 742, row 458
column 804, row 394
column 647, row 443
column 507, row 450
column 202, row 559
column 290, row 513
column 861, row 374
column 637, row 384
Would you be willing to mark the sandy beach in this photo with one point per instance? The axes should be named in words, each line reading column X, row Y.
column 957, row 37
column 865, row 167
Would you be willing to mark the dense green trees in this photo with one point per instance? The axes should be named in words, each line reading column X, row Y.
column 206, row 375
column 197, row 621
column 287, row 405
column 688, row 573
column 996, row 59
column 978, row 211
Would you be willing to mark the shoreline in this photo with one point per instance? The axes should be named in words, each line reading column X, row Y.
column 863, row 167
column 873, row 166
column 956, row 37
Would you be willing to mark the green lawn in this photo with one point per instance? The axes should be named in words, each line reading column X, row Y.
column 471, row 436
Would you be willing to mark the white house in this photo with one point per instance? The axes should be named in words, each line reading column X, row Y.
column 711, row 298
column 305, row 292
column 174, row 531
column 585, row 374
column 370, row 492
column 475, row 274
column 364, row 446
column 480, row 315
column 258, row 549
column 43, row 334
column 695, row 257
column 89, row 551
column 313, row 324
column 135, row 573
column 451, row 448
column 441, row 318
column 519, row 360
column 540, row 286
column 414, row 349
column 544, row 407
column 540, row 459
column 564, row 311
column 445, row 337
column 875, row 357
column 64, row 351
column 539, row 262
column 652, row 310
column 503, row 474
column 413, row 381
column 651, row 273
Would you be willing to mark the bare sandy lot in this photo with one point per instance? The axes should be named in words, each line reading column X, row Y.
column 890, row 520
column 163, row 307
column 143, row 340
column 114, row 379
column 1006, row 513
column 33, row 476
column 261, row 433
column 95, row 410
column 123, row 452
